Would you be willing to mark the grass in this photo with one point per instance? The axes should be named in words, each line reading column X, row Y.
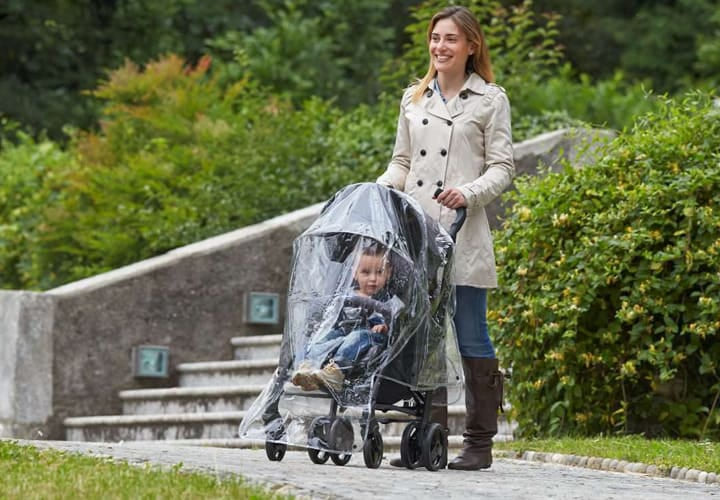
column 700, row 455
column 28, row 473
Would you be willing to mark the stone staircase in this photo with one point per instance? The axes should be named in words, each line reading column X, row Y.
column 210, row 402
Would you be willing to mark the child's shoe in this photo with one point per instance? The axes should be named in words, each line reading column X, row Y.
column 331, row 376
column 304, row 377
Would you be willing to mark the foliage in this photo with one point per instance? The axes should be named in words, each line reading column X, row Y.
column 672, row 44
column 179, row 158
column 54, row 50
column 612, row 103
column 325, row 49
column 608, row 311
column 33, row 474
column 24, row 166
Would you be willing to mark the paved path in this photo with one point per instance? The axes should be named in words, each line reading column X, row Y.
column 507, row 479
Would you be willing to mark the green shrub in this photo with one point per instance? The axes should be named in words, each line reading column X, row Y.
column 608, row 309
column 612, row 103
column 179, row 158
column 25, row 164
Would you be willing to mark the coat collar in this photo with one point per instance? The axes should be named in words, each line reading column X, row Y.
column 434, row 104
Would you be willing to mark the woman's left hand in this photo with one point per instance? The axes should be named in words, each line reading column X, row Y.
column 452, row 198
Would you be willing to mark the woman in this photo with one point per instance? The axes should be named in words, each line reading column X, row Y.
column 454, row 133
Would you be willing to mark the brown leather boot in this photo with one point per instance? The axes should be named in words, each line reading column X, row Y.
column 438, row 414
column 483, row 397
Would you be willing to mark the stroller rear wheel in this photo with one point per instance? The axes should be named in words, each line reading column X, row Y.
column 410, row 446
column 275, row 451
column 434, row 447
column 373, row 448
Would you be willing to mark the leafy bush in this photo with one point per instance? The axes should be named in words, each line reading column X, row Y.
column 25, row 164
column 608, row 309
column 612, row 103
column 179, row 158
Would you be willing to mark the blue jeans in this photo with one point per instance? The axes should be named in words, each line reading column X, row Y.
column 345, row 349
column 471, row 322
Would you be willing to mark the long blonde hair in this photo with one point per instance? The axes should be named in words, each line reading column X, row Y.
column 478, row 62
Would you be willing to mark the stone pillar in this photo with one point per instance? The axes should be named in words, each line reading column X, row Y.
column 26, row 357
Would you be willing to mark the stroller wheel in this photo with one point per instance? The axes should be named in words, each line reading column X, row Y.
column 275, row 451
column 373, row 448
column 410, row 445
column 434, row 447
column 318, row 456
column 340, row 458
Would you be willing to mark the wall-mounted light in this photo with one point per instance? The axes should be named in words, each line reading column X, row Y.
column 262, row 308
column 150, row 361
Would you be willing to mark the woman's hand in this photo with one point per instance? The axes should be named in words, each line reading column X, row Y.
column 380, row 329
column 452, row 198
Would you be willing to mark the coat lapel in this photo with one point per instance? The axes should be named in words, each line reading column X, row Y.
column 435, row 106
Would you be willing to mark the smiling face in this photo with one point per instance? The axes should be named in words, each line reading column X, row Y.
column 449, row 48
column 371, row 274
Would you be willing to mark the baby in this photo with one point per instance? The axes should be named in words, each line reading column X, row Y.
column 361, row 324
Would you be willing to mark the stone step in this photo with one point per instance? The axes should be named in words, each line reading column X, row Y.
column 187, row 426
column 220, row 425
column 178, row 400
column 257, row 347
column 227, row 373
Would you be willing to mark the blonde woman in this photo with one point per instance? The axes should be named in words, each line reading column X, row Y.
column 454, row 134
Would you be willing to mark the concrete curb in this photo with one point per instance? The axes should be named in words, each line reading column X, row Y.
column 613, row 465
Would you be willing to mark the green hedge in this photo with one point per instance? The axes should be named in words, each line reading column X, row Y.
column 608, row 310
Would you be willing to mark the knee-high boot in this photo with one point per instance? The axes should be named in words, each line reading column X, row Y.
column 483, row 398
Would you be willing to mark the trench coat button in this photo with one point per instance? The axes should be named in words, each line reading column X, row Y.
column 425, row 121
column 463, row 95
column 449, row 122
column 438, row 184
column 443, row 152
column 423, row 152
column 420, row 182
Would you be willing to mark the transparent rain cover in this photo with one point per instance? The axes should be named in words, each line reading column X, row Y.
column 330, row 321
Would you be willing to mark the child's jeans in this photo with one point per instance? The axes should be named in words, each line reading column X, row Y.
column 348, row 348
column 471, row 322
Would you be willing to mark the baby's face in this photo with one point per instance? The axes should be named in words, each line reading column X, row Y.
column 372, row 273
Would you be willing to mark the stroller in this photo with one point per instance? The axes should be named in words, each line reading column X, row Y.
column 394, row 382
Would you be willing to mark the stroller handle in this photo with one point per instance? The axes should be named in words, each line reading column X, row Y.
column 460, row 215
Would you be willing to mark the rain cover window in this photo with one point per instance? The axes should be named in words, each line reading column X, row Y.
column 341, row 377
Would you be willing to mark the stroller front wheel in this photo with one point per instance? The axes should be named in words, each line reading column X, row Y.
column 434, row 447
column 373, row 449
column 410, row 445
column 275, row 451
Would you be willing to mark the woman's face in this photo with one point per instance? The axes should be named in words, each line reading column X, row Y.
column 449, row 47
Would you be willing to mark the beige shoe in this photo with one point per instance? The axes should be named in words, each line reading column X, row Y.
column 304, row 377
column 331, row 376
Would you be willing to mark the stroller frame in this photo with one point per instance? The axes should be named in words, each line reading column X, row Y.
column 423, row 443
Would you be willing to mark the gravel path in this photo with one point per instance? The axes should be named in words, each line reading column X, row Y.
column 507, row 479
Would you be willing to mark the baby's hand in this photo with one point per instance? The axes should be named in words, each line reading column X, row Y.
column 380, row 329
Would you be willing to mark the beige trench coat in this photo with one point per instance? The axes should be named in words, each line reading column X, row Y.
column 465, row 143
